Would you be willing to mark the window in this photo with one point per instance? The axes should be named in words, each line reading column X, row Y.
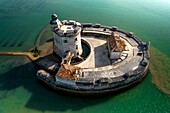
column 77, row 53
column 68, row 27
column 76, row 46
column 65, row 41
column 75, row 39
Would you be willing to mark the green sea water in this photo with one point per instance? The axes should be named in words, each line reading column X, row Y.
column 22, row 20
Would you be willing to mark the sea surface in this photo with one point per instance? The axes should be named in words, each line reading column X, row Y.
column 22, row 20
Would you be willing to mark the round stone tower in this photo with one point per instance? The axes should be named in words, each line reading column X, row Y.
column 66, row 37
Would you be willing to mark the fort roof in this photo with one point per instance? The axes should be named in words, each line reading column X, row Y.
column 68, row 28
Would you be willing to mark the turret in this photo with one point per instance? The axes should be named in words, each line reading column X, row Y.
column 55, row 22
column 67, row 37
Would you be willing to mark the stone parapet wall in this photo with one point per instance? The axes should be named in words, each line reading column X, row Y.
column 108, row 82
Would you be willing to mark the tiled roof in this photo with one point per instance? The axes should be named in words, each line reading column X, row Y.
column 116, row 44
column 68, row 72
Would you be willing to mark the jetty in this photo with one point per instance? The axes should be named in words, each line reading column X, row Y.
column 27, row 54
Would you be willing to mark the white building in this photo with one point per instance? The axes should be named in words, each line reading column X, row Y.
column 66, row 36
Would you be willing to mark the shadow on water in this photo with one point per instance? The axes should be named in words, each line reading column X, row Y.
column 41, row 99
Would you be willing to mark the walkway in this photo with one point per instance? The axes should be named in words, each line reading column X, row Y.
column 27, row 54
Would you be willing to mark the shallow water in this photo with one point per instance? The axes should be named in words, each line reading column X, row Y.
column 22, row 20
